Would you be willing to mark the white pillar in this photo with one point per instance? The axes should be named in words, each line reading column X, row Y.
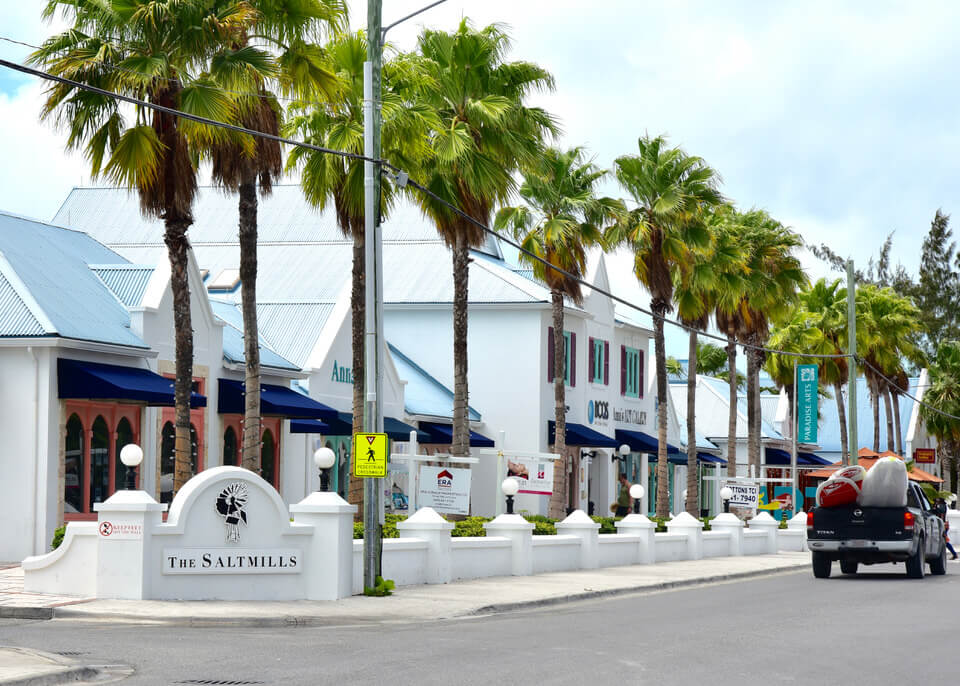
column 520, row 533
column 329, row 555
column 125, row 524
column 764, row 522
column 429, row 526
column 640, row 525
column 692, row 528
column 799, row 523
column 726, row 521
column 645, row 482
column 579, row 524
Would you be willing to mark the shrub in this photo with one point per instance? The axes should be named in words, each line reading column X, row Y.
column 58, row 534
column 471, row 526
column 389, row 527
column 607, row 525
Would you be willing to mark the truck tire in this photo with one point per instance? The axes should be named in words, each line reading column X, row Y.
column 916, row 562
column 848, row 566
column 821, row 565
column 938, row 565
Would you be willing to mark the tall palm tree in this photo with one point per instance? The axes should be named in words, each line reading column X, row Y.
column 486, row 133
column 158, row 52
column 775, row 276
column 708, row 277
column 671, row 190
column 328, row 179
column 561, row 218
column 943, row 394
column 276, row 50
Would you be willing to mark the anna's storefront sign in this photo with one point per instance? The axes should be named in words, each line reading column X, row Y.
column 341, row 374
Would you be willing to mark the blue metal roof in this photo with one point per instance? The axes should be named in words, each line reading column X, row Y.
column 828, row 434
column 233, row 351
column 49, row 262
column 16, row 318
column 722, row 387
column 423, row 394
column 127, row 281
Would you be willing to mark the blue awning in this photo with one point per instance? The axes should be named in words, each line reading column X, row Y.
column 95, row 380
column 309, row 426
column 274, row 400
column 443, row 434
column 778, row 457
column 580, row 435
column 676, row 458
column 641, row 442
column 810, row 458
column 394, row 428
column 711, row 459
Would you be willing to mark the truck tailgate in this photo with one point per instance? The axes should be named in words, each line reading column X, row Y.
column 859, row 523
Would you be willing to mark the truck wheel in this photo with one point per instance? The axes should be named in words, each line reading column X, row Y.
column 915, row 563
column 938, row 565
column 848, row 566
column 821, row 565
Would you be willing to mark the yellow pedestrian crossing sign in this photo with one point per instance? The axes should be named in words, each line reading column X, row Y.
column 370, row 456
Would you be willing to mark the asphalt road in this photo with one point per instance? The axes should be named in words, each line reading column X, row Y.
column 876, row 628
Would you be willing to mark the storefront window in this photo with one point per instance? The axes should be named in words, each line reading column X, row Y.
column 73, row 466
column 268, row 463
column 99, row 461
column 124, row 437
column 230, row 447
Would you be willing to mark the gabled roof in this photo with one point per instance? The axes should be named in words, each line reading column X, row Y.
column 127, row 281
column 423, row 394
column 39, row 263
column 230, row 314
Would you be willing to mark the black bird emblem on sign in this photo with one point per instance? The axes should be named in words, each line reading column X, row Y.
column 230, row 505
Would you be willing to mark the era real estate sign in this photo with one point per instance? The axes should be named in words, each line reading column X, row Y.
column 445, row 489
column 807, row 403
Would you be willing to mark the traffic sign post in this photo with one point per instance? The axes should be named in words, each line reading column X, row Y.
column 370, row 456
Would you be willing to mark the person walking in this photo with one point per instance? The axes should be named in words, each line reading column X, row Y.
column 623, row 499
column 940, row 507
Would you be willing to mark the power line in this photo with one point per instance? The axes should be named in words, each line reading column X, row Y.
column 400, row 173
column 905, row 391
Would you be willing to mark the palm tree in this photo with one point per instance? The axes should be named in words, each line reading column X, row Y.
column 706, row 278
column 671, row 190
column 157, row 52
column 562, row 217
column 240, row 161
column 327, row 179
column 486, row 133
column 943, row 394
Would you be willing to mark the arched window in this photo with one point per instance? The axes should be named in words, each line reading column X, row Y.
column 230, row 447
column 124, row 436
column 167, row 441
column 268, row 462
column 73, row 466
column 99, row 461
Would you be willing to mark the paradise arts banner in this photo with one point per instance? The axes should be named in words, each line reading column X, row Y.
column 535, row 475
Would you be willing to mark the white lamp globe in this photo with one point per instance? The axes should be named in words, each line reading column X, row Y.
column 510, row 486
column 131, row 455
column 636, row 491
column 324, row 458
column 684, row 495
column 624, row 449
column 726, row 493
column 952, row 498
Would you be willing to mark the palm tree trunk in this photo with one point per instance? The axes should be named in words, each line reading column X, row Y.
column 842, row 415
column 693, row 496
column 897, row 433
column 175, row 236
column 663, row 475
column 248, row 292
column 732, row 416
column 559, row 391
column 888, row 413
column 753, row 440
column 461, row 271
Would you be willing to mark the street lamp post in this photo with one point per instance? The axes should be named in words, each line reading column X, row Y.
column 131, row 455
column 510, row 486
column 725, row 494
column 324, row 459
column 636, row 492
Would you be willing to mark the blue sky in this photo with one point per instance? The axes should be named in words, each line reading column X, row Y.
column 837, row 117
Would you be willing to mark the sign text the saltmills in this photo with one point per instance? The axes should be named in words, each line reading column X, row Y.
column 231, row 561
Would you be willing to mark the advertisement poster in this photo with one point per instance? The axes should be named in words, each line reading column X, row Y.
column 807, row 403
column 925, row 455
column 535, row 475
column 397, row 489
column 445, row 489
column 744, row 495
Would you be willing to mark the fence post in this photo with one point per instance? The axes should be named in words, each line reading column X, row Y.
column 520, row 533
column 579, row 524
column 329, row 555
column 640, row 525
column 764, row 522
column 426, row 524
column 692, row 528
column 725, row 521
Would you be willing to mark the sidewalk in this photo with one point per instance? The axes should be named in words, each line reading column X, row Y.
column 24, row 666
column 408, row 603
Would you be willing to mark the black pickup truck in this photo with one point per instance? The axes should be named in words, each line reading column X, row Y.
column 856, row 535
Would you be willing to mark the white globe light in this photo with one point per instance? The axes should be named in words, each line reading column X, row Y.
column 726, row 493
column 684, row 494
column 131, row 454
column 636, row 491
column 324, row 458
column 510, row 486
column 624, row 449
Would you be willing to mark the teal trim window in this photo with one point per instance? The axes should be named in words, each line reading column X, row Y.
column 569, row 357
column 598, row 361
column 633, row 373
column 566, row 357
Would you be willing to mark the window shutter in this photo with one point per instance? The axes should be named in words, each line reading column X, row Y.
column 592, row 359
column 573, row 359
column 606, row 363
column 623, row 370
column 640, row 374
column 550, row 357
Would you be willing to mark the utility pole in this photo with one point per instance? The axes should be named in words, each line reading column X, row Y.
column 852, row 362
column 793, row 443
column 373, row 265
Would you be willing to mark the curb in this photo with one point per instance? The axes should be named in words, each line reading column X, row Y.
column 70, row 672
column 500, row 608
column 7, row 612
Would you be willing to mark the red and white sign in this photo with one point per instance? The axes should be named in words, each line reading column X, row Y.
column 120, row 532
column 535, row 475
column 445, row 489
column 925, row 455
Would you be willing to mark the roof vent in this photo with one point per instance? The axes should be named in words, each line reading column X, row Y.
column 225, row 282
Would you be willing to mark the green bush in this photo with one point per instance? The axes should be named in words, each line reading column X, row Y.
column 384, row 587
column 471, row 526
column 389, row 527
column 58, row 534
column 541, row 528
column 607, row 525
